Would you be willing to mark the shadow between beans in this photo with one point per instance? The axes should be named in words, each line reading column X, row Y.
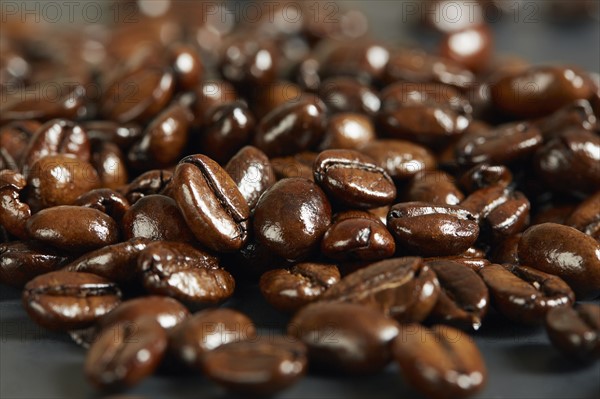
column 541, row 358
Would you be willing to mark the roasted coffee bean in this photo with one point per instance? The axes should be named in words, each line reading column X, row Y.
column 344, row 337
column 586, row 217
column 291, row 128
column 248, row 60
column 15, row 136
column 502, row 145
column 402, row 288
column 291, row 218
column 355, row 214
column 187, row 66
column 73, row 228
column 524, row 294
column 209, row 95
column 348, row 131
column 570, row 162
column 207, row 330
column 59, row 180
column 540, row 90
column 180, row 271
column 506, row 250
column 14, row 212
column 272, row 96
column 156, row 217
column 124, row 355
column 252, row 172
column 575, row 332
column 440, row 362
column 211, row 203
column 167, row 311
column 353, row 179
column 116, row 262
column 475, row 263
column 298, row 165
column 578, row 115
column 464, row 297
column 344, row 94
column 230, row 127
column 6, row 161
column 358, row 239
column 435, row 187
column 432, row 230
column 148, row 183
column 109, row 162
column 400, row 159
column 484, row 175
column 105, row 200
column 565, row 252
column 470, row 47
column 123, row 135
column 291, row 289
column 363, row 59
column 64, row 301
column 22, row 261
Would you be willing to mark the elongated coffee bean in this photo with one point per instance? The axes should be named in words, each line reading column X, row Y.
column 575, row 331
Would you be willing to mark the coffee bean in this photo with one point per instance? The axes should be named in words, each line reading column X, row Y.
column 565, row 252
column 187, row 66
column 123, row 135
column 211, row 203
column 291, row 218
column 578, row 115
column 272, row 96
column 344, row 94
column 474, row 263
column 14, row 212
column 575, row 332
column 148, row 183
column 400, row 159
column 440, row 362
column 484, row 175
column 291, row 289
column 524, row 294
column 168, row 312
column 105, row 200
column 471, row 47
column 344, row 337
column 252, row 172
column 358, row 239
column 261, row 366
column 402, row 288
column 348, row 130
column 434, row 187
column 66, row 300
column 22, row 261
column 125, row 354
column 210, row 94
column 299, row 165
column 586, row 217
column 362, row 59
column 73, row 228
column 109, row 162
column 249, row 60
column 506, row 250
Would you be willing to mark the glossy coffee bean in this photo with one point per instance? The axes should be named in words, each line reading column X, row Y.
column 291, row 128
column 207, row 330
column 402, row 288
column 262, row 366
column 272, row 96
column 156, row 217
column 524, row 294
column 484, row 175
column 400, row 159
column 59, row 180
column 432, row 230
column 435, row 187
column 586, row 217
column 564, row 252
column 73, row 228
column 358, row 239
column 362, row 59
column 471, row 47
column 14, row 212
column 123, row 355
column 123, row 135
column 344, row 337
column 575, row 332
column 210, row 94
column 291, row 289
column 148, row 183
column 464, row 297
column 109, row 162
column 66, row 300
column 291, row 218
column 440, row 362
column 22, row 261
column 298, row 165
column 180, row 271
column 167, row 311
column 211, row 203
column 348, row 131
column 105, row 200
column 252, row 172
column 248, row 60
column 475, row 263
column 187, row 66
column 344, row 94
column 578, row 115
column 115, row 262
column 539, row 90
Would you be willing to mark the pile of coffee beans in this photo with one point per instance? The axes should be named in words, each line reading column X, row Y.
column 386, row 198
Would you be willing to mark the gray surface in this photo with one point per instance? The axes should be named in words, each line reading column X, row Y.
column 521, row 363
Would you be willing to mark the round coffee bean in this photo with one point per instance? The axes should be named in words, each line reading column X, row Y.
column 345, row 94
column 148, row 183
column 187, row 66
column 22, row 261
column 358, row 239
column 168, row 312
column 400, row 159
column 484, row 175
column 471, row 47
column 349, row 131
column 575, row 331
column 251, row 170
column 105, row 200
column 249, row 60
column 109, row 162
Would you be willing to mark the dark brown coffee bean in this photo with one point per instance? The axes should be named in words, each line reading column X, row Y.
column 123, row 135
column 432, row 230
column 66, row 300
column 575, row 332
column 248, row 60
column 540, row 90
column 291, row 128
column 586, row 217
column 187, row 66
column 524, row 294
column 22, row 261
column 291, row 218
column 211, row 203
column 180, row 271
column 484, row 175
column 59, row 180
column 109, row 162
column 435, row 187
column 73, row 228
column 344, row 94
column 14, row 212
column 363, row 59
column 348, row 131
column 440, row 362
column 167, row 311
column 125, row 354
column 272, row 96
column 15, row 136
column 115, row 262
column 209, row 95
column 402, row 288
column 400, row 159
column 358, row 239
column 578, row 115
column 298, row 165
column 344, row 337
column 148, row 183
column 464, row 297
column 506, row 250
column 105, row 200
column 471, row 47
column 291, row 289
column 7, row 162
column 207, row 330
column 259, row 367
column 252, row 172
column 157, row 218
column 475, row 263
column 565, row 252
